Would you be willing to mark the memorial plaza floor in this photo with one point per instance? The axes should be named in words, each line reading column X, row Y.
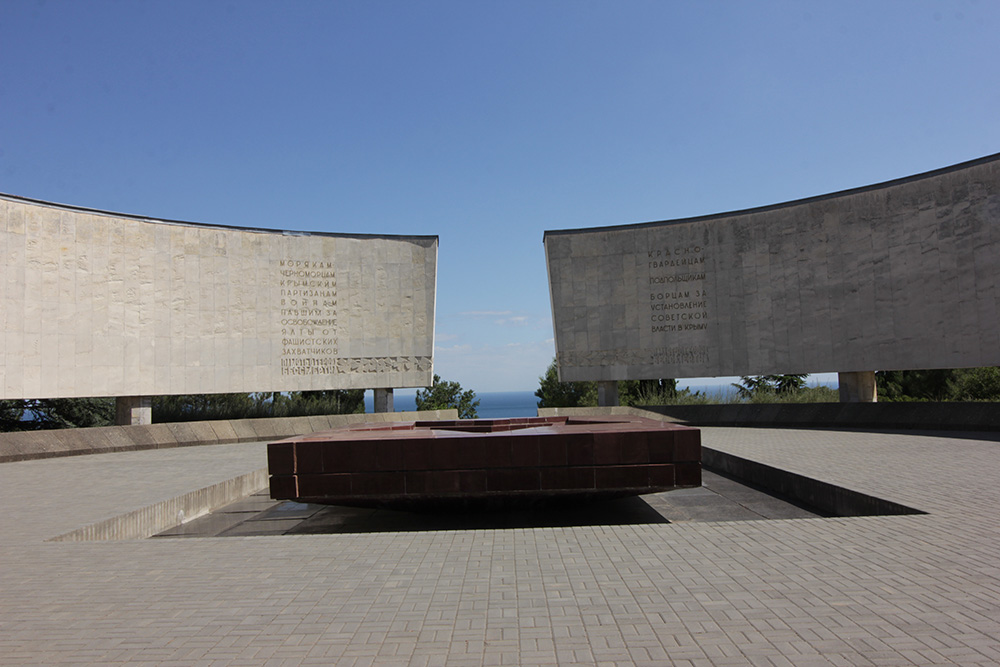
column 918, row 589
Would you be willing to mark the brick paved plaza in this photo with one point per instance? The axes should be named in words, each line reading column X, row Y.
column 890, row 590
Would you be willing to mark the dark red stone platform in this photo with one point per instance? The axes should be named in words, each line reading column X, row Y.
column 435, row 462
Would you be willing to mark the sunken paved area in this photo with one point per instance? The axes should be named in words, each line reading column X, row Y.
column 891, row 590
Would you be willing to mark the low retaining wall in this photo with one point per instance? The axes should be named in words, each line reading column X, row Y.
column 823, row 496
column 25, row 445
column 911, row 416
column 152, row 519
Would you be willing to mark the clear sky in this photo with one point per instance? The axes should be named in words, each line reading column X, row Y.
column 485, row 123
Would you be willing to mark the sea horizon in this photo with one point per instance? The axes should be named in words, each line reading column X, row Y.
column 492, row 404
column 510, row 404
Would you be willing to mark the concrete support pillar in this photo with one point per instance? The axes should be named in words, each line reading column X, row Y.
column 607, row 393
column 383, row 400
column 133, row 410
column 857, row 387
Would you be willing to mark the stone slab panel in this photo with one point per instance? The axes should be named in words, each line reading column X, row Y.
column 107, row 304
column 901, row 275
column 185, row 433
column 224, row 431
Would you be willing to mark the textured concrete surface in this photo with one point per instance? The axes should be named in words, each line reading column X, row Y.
column 899, row 275
column 891, row 590
column 108, row 304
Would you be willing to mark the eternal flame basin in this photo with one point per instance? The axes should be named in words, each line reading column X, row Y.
column 498, row 462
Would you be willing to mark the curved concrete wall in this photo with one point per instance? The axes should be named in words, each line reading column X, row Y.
column 901, row 275
column 105, row 304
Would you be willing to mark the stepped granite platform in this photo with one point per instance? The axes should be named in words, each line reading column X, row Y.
column 495, row 461
column 918, row 589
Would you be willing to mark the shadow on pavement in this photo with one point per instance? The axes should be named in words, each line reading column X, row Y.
column 718, row 499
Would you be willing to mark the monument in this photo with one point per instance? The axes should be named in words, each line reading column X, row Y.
column 900, row 275
column 485, row 462
column 99, row 304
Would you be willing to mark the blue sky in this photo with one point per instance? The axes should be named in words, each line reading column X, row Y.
column 484, row 123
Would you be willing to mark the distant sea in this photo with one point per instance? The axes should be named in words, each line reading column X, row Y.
column 500, row 404
column 492, row 404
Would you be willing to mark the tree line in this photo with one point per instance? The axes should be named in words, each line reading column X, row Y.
column 52, row 413
column 961, row 384
column 956, row 384
column 37, row 414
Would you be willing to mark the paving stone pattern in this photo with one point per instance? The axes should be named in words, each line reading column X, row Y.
column 889, row 590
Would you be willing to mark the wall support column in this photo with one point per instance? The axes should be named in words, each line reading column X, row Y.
column 607, row 393
column 857, row 387
column 133, row 410
column 383, row 400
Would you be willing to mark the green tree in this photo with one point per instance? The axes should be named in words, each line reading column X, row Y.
column 48, row 413
column 11, row 415
column 916, row 385
column 552, row 393
column 328, row 402
column 940, row 384
column 788, row 384
column 752, row 386
column 443, row 395
column 204, row 407
column 978, row 384
column 76, row 412
column 647, row 392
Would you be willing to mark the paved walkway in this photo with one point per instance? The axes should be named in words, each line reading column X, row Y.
column 896, row 590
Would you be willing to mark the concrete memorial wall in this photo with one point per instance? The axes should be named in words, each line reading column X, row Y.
column 104, row 304
column 901, row 275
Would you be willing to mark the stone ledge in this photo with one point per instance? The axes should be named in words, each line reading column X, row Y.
column 829, row 498
column 27, row 445
column 905, row 416
column 152, row 519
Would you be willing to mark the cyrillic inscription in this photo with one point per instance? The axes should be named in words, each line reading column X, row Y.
column 308, row 317
column 675, row 304
column 326, row 366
